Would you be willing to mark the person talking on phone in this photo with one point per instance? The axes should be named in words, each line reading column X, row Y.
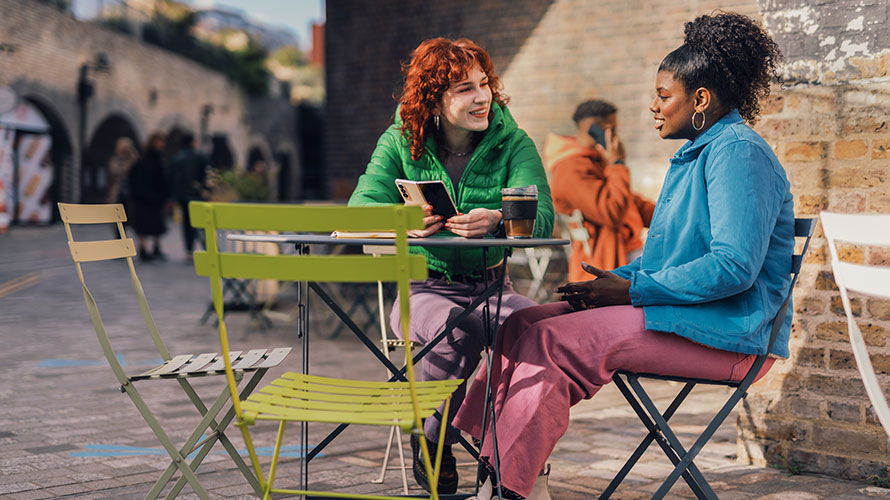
column 587, row 173
column 452, row 125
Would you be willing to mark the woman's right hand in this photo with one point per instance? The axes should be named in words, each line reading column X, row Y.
column 607, row 289
column 433, row 224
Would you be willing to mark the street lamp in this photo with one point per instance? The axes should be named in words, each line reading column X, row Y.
column 85, row 91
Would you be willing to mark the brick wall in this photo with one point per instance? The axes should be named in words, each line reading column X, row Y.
column 828, row 126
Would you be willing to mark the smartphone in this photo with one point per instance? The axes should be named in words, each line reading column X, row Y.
column 598, row 134
column 427, row 192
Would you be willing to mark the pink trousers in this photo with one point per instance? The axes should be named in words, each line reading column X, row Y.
column 549, row 357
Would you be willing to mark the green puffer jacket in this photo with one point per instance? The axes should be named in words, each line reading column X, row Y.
column 506, row 157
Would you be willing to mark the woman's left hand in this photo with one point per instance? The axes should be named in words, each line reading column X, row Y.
column 606, row 290
column 476, row 223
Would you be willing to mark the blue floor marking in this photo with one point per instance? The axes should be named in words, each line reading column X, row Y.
column 114, row 450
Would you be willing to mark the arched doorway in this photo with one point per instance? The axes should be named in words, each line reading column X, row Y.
column 94, row 173
column 283, row 159
column 34, row 152
column 221, row 156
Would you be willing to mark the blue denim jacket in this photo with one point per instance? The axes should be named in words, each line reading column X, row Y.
column 717, row 261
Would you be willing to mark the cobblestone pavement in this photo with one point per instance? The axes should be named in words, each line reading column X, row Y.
column 66, row 431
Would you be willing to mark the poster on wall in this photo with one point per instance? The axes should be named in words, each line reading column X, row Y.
column 26, row 169
column 35, row 177
column 7, row 136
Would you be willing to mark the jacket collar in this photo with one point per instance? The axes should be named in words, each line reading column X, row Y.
column 693, row 147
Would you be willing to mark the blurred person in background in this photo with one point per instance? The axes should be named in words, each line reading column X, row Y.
column 119, row 165
column 149, row 190
column 188, row 175
column 592, row 178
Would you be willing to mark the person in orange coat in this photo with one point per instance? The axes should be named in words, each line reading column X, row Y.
column 592, row 178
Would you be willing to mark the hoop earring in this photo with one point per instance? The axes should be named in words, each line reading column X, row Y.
column 702, row 121
column 436, row 121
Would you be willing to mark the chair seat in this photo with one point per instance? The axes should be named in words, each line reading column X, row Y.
column 191, row 365
column 295, row 396
column 672, row 378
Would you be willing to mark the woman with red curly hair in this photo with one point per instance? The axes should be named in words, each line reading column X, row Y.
column 452, row 125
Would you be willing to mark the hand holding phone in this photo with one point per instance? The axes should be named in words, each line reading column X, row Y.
column 598, row 134
column 432, row 193
column 607, row 143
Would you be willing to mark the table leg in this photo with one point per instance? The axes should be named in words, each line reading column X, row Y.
column 490, row 340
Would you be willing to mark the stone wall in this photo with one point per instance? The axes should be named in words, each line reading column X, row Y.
column 827, row 122
column 148, row 87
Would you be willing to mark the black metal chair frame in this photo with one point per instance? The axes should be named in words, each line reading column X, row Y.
column 656, row 422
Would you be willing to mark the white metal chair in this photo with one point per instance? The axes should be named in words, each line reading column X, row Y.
column 573, row 229
column 871, row 280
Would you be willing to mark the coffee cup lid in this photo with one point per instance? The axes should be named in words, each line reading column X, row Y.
column 520, row 191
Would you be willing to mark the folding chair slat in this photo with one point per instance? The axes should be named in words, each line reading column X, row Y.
column 274, row 358
column 864, row 229
column 870, row 280
column 220, row 363
column 368, row 405
column 305, row 378
column 92, row 251
column 196, row 364
column 92, row 214
column 324, row 268
column 249, row 359
column 170, row 366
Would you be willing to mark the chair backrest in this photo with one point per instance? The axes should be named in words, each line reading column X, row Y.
column 103, row 250
column 868, row 279
column 400, row 267
column 803, row 228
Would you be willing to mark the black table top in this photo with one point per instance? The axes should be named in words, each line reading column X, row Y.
column 444, row 241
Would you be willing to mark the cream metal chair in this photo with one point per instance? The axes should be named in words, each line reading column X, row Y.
column 300, row 397
column 869, row 280
column 179, row 367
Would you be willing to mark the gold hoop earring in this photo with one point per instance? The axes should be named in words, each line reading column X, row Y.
column 702, row 121
column 436, row 121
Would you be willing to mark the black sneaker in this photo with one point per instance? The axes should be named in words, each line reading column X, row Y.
column 144, row 256
column 447, row 473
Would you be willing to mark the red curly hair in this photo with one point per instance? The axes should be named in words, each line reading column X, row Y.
column 435, row 66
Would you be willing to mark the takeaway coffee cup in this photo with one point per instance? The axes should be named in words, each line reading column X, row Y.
column 520, row 207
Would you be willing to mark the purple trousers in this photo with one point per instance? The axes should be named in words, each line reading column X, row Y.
column 433, row 303
column 549, row 357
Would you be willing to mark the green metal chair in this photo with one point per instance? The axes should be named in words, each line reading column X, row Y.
column 298, row 397
column 180, row 367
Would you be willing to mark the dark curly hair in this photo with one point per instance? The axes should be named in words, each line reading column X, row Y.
column 595, row 108
column 729, row 54
column 435, row 66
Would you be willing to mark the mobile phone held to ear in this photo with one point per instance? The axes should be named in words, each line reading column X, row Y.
column 427, row 193
column 598, row 134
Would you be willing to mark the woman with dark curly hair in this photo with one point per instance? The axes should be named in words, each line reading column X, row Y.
column 713, row 273
column 452, row 125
